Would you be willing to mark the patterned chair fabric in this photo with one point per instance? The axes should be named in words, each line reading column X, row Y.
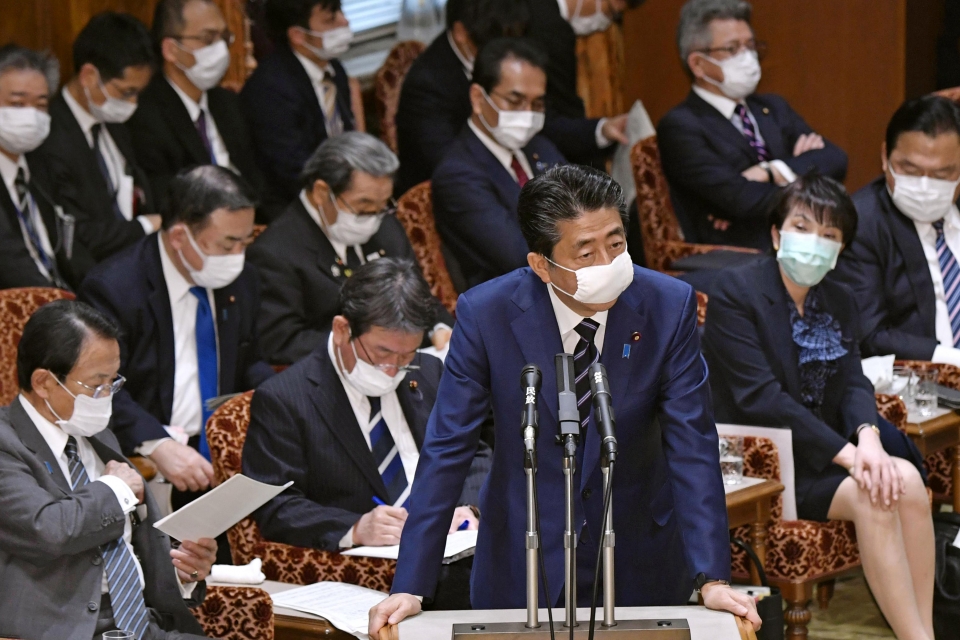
column 415, row 213
column 16, row 307
column 226, row 433
column 236, row 613
column 600, row 72
column 387, row 83
column 702, row 300
column 663, row 241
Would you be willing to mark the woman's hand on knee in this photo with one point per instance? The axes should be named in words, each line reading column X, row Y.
column 876, row 472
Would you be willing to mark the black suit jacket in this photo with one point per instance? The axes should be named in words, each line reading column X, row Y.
column 887, row 270
column 475, row 205
column 75, row 167
column 303, row 428
column 17, row 268
column 301, row 279
column 755, row 375
column 286, row 121
column 166, row 141
column 703, row 155
column 130, row 288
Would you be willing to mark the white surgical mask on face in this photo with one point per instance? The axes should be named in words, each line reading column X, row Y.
column 369, row 380
column 23, row 129
column 336, row 42
column 217, row 271
column 90, row 415
column 585, row 25
column 113, row 110
column 741, row 74
column 602, row 283
column 211, row 64
column 807, row 258
column 351, row 229
column 923, row 199
column 514, row 128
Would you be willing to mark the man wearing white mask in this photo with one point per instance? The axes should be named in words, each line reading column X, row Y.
column 89, row 147
column 580, row 295
column 902, row 264
column 476, row 186
column 300, row 95
column 184, row 118
column 727, row 151
column 352, row 450
column 344, row 218
column 187, row 305
column 79, row 555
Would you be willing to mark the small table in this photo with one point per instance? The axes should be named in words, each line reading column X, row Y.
column 750, row 503
column 936, row 433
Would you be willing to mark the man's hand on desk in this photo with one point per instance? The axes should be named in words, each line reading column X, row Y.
column 193, row 560
column 128, row 474
column 721, row 597
column 397, row 607
column 182, row 466
column 461, row 515
column 381, row 527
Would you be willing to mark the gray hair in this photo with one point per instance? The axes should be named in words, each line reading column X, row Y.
column 693, row 32
column 337, row 158
column 196, row 193
column 389, row 293
column 17, row 58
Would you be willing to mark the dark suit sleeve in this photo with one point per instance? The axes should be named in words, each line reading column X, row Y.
column 151, row 142
column 479, row 470
column 17, row 268
column 859, row 405
column 830, row 161
column 255, row 370
column 575, row 137
column 274, row 453
column 420, row 122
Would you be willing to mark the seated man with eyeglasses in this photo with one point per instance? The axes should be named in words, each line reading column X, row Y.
column 727, row 151
column 343, row 218
column 346, row 424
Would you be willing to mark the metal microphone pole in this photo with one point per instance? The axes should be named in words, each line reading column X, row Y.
column 609, row 617
column 530, row 384
column 569, row 421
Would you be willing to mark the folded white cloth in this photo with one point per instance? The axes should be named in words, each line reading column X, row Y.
column 879, row 370
column 243, row 574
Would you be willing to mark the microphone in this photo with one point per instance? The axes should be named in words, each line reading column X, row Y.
column 568, row 413
column 530, row 384
column 606, row 422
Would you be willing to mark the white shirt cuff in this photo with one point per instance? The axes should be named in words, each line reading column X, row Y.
column 347, row 541
column 147, row 448
column 946, row 355
column 146, row 224
column 186, row 590
column 420, row 598
column 784, row 169
column 602, row 140
column 128, row 501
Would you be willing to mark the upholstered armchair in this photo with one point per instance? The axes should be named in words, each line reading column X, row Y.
column 236, row 613
column 702, row 300
column 226, row 433
column 387, row 83
column 415, row 213
column 663, row 241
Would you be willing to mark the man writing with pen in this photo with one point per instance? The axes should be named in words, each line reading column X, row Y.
column 347, row 422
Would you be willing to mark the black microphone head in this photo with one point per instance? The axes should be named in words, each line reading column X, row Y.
column 598, row 379
column 530, row 377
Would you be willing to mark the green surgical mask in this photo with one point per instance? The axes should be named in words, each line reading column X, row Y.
column 806, row 258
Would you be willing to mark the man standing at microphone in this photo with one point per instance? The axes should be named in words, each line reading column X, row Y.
column 581, row 295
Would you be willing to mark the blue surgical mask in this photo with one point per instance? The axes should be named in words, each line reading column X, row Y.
column 807, row 258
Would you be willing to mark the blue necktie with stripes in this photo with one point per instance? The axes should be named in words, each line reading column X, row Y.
column 950, row 271
column 123, row 580
column 387, row 457
column 751, row 134
column 207, row 368
column 584, row 355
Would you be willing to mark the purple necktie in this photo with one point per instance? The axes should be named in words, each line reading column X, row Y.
column 202, row 130
column 751, row 134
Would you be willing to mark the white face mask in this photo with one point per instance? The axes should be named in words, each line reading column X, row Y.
column 351, row 229
column 113, row 110
column 923, row 199
column 807, row 258
column 336, row 42
column 602, row 283
column 585, row 25
column 211, row 64
column 369, row 380
column 217, row 271
column 23, row 129
column 741, row 74
column 90, row 415
column 514, row 128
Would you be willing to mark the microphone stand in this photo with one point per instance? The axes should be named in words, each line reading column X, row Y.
column 609, row 617
column 568, row 414
column 532, row 538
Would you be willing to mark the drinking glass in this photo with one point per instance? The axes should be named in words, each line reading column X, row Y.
column 926, row 397
column 118, row 635
column 905, row 384
column 731, row 459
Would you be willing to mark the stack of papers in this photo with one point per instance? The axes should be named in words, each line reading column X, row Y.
column 460, row 544
column 345, row 606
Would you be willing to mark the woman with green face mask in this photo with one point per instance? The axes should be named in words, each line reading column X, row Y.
column 781, row 341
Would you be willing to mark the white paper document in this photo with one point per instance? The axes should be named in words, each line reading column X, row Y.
column 345, row 606
column 459, row 545
column 216, row 511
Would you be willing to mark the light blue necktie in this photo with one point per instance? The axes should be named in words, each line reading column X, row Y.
column 950, row 271
column 206, row 361
column 387, row 456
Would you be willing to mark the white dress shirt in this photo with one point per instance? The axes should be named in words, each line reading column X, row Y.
column 727, row 108
column 8, row 171
column 216, row 142
column 392, row 415
column 466, row 64
column 945, row 351
column 568, row 319
column 503, row 155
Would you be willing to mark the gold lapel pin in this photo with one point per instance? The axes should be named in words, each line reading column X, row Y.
column 636, row 336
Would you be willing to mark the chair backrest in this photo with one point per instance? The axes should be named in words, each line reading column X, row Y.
column 658, row 222
column 600, row 71
column 16, row 307
column 415, row 213
column 702, row 300
column 387, row 83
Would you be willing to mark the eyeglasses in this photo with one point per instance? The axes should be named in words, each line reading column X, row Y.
column 105, row 389
column 211, row 37
column 386, row 368
column 520, row 103
column 759, row 46
column 388, row 210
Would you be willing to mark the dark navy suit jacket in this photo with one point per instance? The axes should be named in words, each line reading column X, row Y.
column 703, row 155
column 303, row 428
column 887, row 270
column 668, row 502
column 130, row 288
column 475, row 205
column 286, row 121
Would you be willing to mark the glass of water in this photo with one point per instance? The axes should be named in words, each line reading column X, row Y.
column 926, row 396
column 905, row 384
column 731, row 459
column 118, row 635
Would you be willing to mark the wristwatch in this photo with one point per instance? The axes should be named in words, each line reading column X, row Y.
column 702, row 580
column 867, row 425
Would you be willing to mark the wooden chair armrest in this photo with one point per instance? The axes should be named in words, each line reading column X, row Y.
column 145, row 466
column 389, row 632
column 745, row 629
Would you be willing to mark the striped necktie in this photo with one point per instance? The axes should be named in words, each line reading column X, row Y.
column 331, row 116
column 584, row 355
column 951, row 281
column 751, row 134
column 123, row 580
column 201, row 125
column 387, row 457
column 207, row 362
column 24, row 213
